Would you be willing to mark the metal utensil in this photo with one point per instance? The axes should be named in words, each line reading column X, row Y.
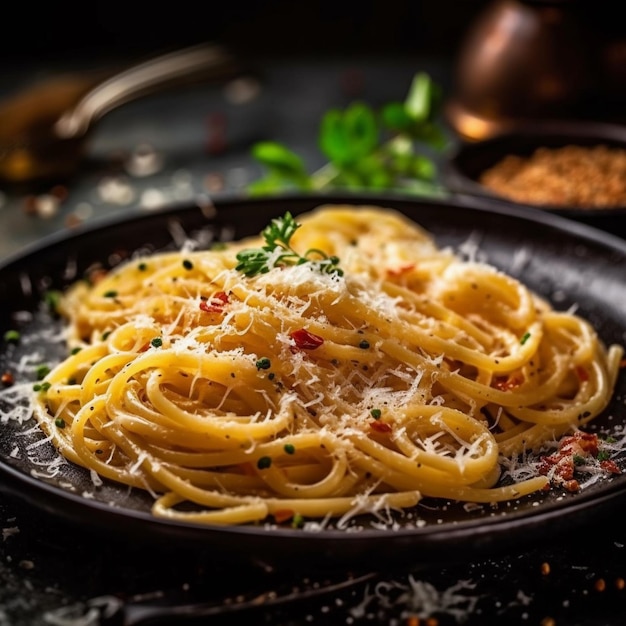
column 43, row 130
column 246, row 605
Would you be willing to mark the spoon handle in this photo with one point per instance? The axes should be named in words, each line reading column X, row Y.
column 168, row 70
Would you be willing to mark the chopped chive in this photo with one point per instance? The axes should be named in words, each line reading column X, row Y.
column 263, row 363
column 76, row 350
column 264, row 462
column 376, row 413
column 42, row 371
column 364, row 345
column 52, row 299
column 110, row 294
column 524, row 339
column 59, row 422
column 12, row 336
column 289, row 448
column 187, row 264
column 297, row 521
column 157, row 342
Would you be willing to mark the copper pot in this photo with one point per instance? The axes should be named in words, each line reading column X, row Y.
column 521, row 60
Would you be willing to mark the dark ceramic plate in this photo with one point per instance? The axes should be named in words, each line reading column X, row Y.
column 568, row 263
column 470, row 159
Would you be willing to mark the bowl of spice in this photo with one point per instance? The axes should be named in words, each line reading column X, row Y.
column 576, row 169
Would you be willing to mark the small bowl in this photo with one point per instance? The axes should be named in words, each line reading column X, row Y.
column 465, row 166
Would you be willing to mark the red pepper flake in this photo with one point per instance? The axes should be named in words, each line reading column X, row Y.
column 215, row 304
column 7, row 379
column 507, row 383
column 582, row 373
column 610, row 467
column 380, row 427
column 402, row 269
column 283, row 515
column 587, row 442
column 96, row 275
column 306, row 340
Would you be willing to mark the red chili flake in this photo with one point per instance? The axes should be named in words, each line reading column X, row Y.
column 572, row 485
column 402, row 269
column 215, row 304
column 582, row 373
column 7, row 379
column 507, row 383
column 306, row 340
column 610, row 466
column 283, row 515
column 580, row 442
column 380, row 427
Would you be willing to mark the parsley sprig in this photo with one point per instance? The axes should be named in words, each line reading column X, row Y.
column 278, row 252
column 366, row 149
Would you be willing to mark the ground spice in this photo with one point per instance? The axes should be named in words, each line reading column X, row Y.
column 571, row 176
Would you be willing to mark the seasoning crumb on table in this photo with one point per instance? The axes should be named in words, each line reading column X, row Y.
column 572, row 176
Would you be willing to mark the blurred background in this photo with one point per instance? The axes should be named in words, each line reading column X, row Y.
column 112, row 27
column 493, row 59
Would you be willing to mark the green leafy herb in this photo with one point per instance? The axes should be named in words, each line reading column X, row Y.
column 263, row 363
column 277, row 251
column 365, row 148
column 12, row 336
column 41, row 371
column 52, row 300
column 264, row 462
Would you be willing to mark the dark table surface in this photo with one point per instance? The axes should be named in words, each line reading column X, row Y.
column 183, row 147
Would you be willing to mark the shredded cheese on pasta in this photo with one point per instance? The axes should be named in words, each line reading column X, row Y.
column 297, row 392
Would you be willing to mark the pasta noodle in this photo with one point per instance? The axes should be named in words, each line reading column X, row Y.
column 400, row 371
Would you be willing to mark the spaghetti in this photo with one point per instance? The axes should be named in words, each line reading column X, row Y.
column 316, row 388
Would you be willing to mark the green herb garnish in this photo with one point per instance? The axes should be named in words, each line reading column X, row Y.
column 365, row 148
column 278, row 252
column 42, row 371
column 52, row 300
column 12, row 336
column 264, row 462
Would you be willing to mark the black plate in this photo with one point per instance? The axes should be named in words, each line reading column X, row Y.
column 569, row 263
column 470, row 159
